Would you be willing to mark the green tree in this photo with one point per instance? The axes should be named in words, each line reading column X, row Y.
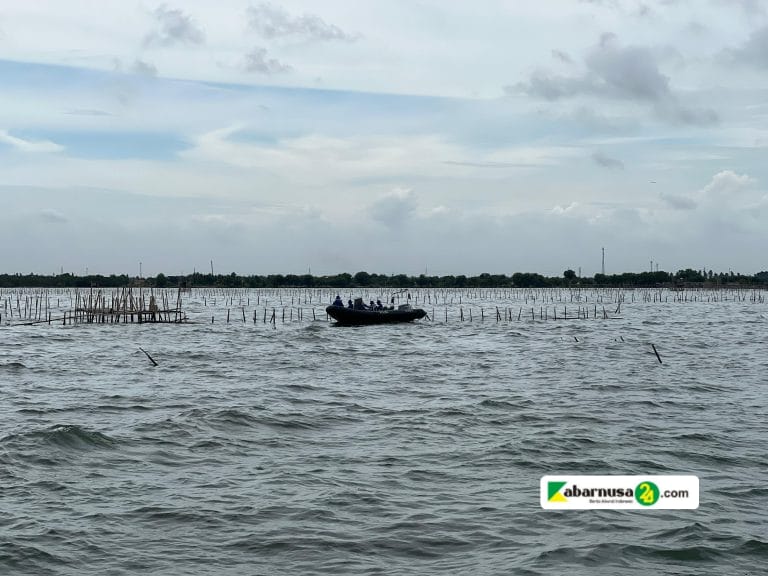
column 362, row 278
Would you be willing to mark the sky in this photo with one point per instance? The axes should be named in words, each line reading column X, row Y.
column 397, row 136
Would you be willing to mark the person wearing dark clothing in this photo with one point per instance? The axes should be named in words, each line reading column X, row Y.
column 338, row 301
column 349, row 303
column 379, row 305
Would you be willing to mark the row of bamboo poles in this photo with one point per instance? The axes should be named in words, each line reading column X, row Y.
column 96, row 307
column 291, row 314
column 148, row 305
column 450, row 296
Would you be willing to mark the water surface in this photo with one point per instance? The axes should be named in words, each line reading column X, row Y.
column 306, row 448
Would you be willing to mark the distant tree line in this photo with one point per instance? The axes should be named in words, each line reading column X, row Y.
column 687, row 277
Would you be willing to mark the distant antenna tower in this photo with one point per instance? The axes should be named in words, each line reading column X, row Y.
column 603, row 262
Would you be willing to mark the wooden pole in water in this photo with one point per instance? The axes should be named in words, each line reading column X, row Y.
column 148, row 356
column 657, row 353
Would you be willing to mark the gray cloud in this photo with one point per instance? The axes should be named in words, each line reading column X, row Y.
column 643, row 10
column 274, row 22
column 626, row 72
column 677, row 201
column 143, row 68
column 751, row 7
column 562, row 57
column 695, row 27
column 754, row 51
column 174, row 27
column 87, row 112
column 629, row 73
column 607, row 162
column 258, row 61
column 490, row 164
column 610, row 3
column 395, row 208
column 53, row 216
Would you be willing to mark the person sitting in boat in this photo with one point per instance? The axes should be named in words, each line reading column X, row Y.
column 379, row 305
column 372, row 306
column 349, row 304
column 338, row 301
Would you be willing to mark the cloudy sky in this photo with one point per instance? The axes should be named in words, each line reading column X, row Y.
column 391, row 136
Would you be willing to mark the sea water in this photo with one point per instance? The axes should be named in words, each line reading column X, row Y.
column 306, row 448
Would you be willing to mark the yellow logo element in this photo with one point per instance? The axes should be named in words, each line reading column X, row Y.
column 553, row 492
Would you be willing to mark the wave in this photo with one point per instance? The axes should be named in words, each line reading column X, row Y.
column 62, row 436
column 13, row 366
column 16, row 557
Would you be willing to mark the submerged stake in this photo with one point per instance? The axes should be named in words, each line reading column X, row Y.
column 657, row 353
column 148, row 356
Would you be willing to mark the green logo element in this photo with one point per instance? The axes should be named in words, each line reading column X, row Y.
column 647, row 493
column 553, row 492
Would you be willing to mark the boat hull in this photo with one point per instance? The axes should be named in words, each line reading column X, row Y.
column 350, row 317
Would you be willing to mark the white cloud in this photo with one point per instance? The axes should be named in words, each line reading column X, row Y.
column 726, row 187
column 32, row 146
column 565, row 210
column 318, row 158
column 727, row 193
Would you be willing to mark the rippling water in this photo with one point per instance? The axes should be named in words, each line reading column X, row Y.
column 411, row 449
